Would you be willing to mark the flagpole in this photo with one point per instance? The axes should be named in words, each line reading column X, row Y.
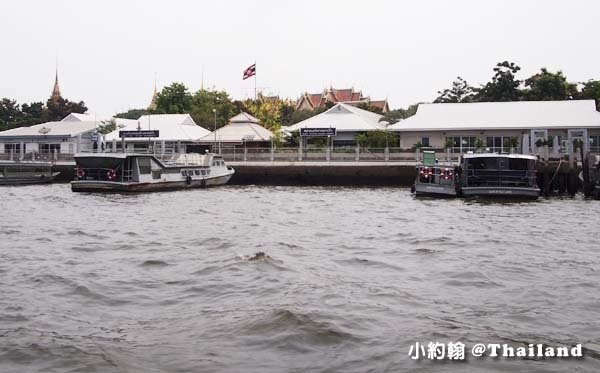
column 254, row 80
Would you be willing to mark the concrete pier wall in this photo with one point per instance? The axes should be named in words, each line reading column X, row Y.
column 321, row 173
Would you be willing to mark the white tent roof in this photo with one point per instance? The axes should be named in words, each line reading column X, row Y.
column 344, row 118
column 243, row 117
column 76, row 117
column 171, row 127
column 64, row 129
column 502, row 115
column 241, row 127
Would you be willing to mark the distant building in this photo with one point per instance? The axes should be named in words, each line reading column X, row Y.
column 178, row 133
column 152, row 105
column 347, row 120
column 55, row 96
column 242, row 130
column 313, row 101
column 495, row 123
column 49, row 140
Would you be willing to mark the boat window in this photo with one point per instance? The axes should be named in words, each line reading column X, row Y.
column 208, row 172
column 483, row 163
column 197, row 172
column 203, row 172
column 144, row 164
column 183, row 173
column 190, row 172
column 518, row 164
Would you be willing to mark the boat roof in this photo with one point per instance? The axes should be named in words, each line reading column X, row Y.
column 496, row 155
column 105, row 155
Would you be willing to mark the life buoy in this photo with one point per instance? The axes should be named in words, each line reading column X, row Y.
column 80, row 173
column 111, row 175
column 188, row 180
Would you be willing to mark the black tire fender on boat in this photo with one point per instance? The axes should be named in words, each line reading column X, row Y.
column 413, row 188
column 188, row 180
column 203, row 183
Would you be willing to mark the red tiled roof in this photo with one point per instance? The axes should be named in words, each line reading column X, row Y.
column 342, row 95
column 315, row 99
column 339, row 95
column 356, row 96
column 381, row 104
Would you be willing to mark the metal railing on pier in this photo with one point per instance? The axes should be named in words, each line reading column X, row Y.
column 336, row 154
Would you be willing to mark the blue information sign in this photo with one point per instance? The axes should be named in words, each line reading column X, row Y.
column 317, row 132
column 147, row 133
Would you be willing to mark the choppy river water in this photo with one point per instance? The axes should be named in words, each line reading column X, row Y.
column 166, row 282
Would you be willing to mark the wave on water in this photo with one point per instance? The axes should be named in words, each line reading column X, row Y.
column 154, row 263
column 288, row 329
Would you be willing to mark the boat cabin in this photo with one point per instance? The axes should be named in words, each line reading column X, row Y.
column 498, row 170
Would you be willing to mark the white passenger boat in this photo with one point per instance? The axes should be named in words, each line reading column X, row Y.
column 26, row 172
column 504, row 175
column 435, row 179
column 102, row 172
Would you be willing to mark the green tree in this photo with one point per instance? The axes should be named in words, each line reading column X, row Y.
column 132, row 114
column 174, row 99
column 504, row 85
column 591, row 91
column 107, row 126
column 377, row 139
column 367, row 106
column 204, row 101
column 396, row 115
column 300, row 115
column 61, row 107
column 34, row 113
column 547, row 86
column 461, row 91
column 10, row 114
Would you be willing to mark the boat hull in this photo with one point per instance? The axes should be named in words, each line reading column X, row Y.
column 435, row 190
column 111, row 186
column 27, row 180
column 513, row 192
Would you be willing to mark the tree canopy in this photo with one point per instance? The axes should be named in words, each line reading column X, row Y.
column 461, row 91
column 13, row 115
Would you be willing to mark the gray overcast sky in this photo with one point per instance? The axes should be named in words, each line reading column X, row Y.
column 108, row 51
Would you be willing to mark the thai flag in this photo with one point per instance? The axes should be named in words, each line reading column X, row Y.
column 250, row 71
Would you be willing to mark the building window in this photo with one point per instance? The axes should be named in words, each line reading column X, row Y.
column 49, row 148
column 425, row 142
column 14, row 148
column 462, row 144
column 595, row 144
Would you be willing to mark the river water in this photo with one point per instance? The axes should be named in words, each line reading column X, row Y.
column 351, row 278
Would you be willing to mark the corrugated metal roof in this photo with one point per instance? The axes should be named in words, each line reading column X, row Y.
column 502, row 115
column 67, row 129
column 243, row 118
column 100, row 119
column 236, row 132
column 171, row 127
column 344, row 118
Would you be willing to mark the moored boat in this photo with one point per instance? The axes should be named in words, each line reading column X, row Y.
column 26, row 173
column 499, row 175
column 435, row 179
column 121, row 172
